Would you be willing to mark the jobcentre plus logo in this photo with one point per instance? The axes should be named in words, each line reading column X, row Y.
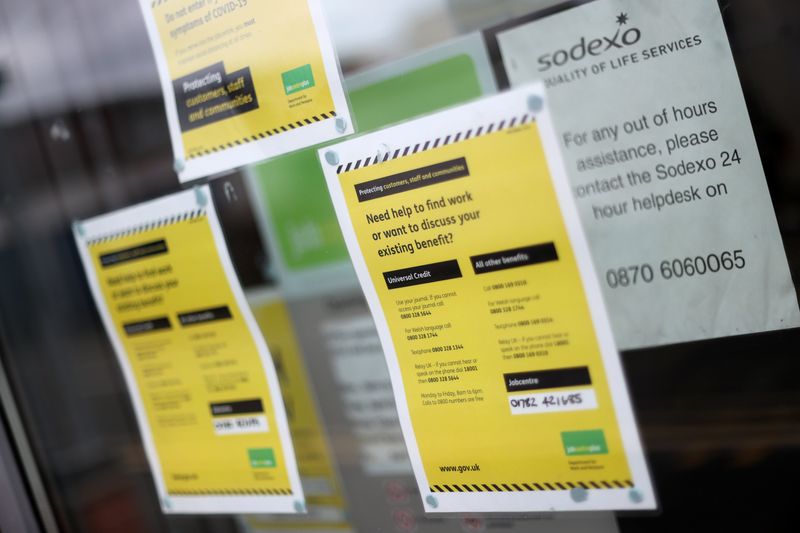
column 624, row 37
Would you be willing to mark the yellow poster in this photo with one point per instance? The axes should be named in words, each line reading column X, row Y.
column 203, row 386
column 244, row 80
column 470, row 253
column 324, row 499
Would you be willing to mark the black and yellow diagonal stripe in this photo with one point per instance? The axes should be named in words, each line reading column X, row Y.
column 264, row 134
column 147, row 226
column 435, row 143
column 232, row 492
column 531, row 487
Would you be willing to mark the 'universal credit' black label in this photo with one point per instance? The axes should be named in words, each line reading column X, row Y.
column 418, row 275
column 146, row 326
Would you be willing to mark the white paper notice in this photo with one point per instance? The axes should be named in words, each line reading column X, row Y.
column 663, row 164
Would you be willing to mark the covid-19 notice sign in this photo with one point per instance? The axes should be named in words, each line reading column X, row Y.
column 244, row 80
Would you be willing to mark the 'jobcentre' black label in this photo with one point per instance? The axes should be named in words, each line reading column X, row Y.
column 412, row 179
column 202, row 316
column 239, row 407
column 418, row 275
column 516, row 257
column 548, row 379
column 133, row 253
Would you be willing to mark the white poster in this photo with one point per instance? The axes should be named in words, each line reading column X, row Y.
column 663, row 164
column 200, row 376
column 469, row 250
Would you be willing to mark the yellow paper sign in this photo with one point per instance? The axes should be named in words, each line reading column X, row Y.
column 244, row 80
column 324, row 499
column 469, row 250
column 203, row 386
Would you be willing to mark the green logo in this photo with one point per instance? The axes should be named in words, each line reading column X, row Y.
column 298, row 79
column 591, row 442
column 261, row 457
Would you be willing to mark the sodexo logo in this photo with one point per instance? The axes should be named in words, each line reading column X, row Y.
column 592, row 47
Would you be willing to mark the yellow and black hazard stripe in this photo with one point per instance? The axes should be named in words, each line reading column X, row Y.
column 264, row 134
column 435, row 143
column 531, row 487
column 232, row 492
column 153, row 224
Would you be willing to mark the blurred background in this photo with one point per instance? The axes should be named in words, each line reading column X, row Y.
column 83, row 132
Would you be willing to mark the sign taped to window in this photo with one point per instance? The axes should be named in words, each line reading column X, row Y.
column 244, row 80
column 469, row 250
column 326, row 508
column 663, row 164
column 203, row 386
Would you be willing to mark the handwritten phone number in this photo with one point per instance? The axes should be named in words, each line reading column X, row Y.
column 678, row 268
